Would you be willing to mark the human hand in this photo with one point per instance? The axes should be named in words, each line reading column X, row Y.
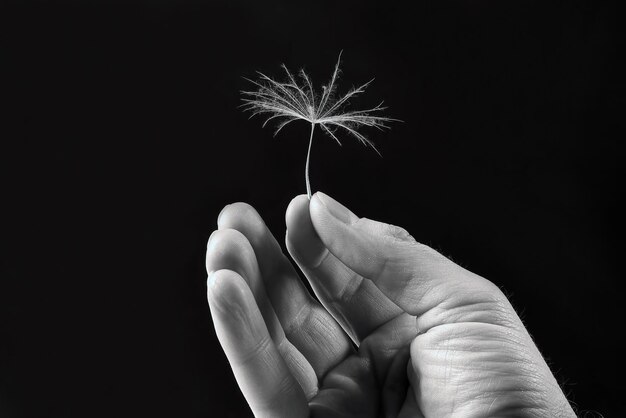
column 432, row 339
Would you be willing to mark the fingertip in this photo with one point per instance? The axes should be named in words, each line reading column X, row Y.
column 317, row 210
column 315, row 202
column 237, row 214
column 297, row 212
column 220, row 214
column 208, row 244
column 225, row 288
column 335, row 209
column 325, row 224
column 229, row 249
column 302, row 240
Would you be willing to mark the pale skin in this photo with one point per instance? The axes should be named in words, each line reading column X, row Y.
column 401, row 331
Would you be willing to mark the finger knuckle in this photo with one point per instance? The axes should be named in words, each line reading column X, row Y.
column 390, row 231
column 351, row 288
column 256, row 352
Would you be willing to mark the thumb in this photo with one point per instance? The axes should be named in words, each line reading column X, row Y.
column 403, row 269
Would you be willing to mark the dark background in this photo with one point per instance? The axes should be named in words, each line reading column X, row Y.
column 122, row 141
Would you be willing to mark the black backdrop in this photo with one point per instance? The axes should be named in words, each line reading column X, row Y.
column 123, row 140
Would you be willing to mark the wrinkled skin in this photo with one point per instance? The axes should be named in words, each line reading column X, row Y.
column 399, row 330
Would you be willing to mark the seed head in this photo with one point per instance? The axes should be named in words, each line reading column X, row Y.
column 291, row 100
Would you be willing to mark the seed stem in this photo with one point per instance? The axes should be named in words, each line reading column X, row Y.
column 306, row 167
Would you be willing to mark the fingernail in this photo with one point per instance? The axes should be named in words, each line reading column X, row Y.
column 220, row 215
column 210, row 279
column 335, row 208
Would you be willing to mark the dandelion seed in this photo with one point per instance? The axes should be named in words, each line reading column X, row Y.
column 289, row 101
